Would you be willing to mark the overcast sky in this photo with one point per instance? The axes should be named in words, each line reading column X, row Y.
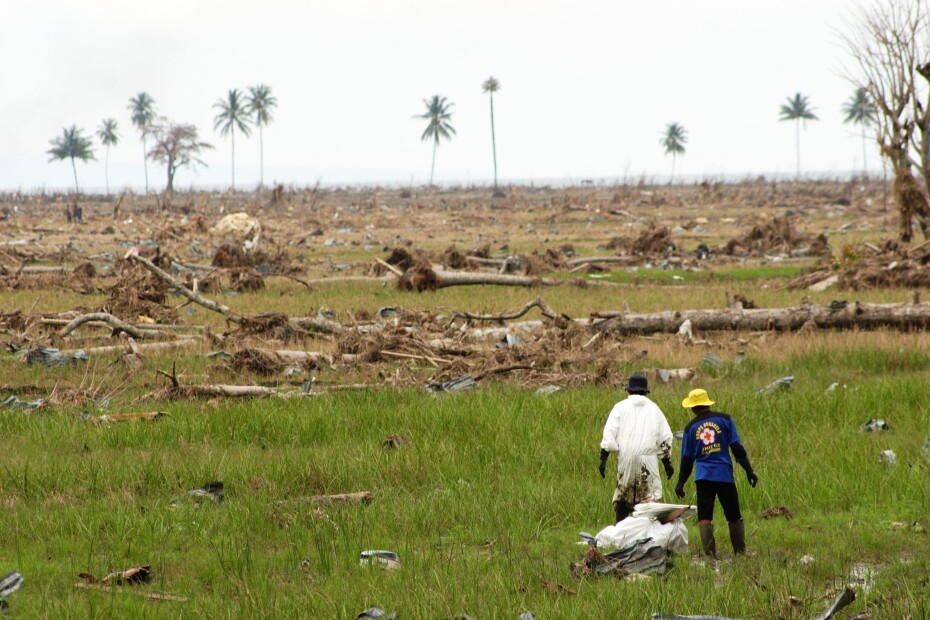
column 586, row 87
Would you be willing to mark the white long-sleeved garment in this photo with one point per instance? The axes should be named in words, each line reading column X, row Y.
column 638, row 432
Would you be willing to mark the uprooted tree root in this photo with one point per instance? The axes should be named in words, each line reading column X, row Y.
column 866, row 266
column 777, row 235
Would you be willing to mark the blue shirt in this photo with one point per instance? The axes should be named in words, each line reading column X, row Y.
column 707, row 440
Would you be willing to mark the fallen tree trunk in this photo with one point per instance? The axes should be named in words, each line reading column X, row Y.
column 235, row 391
column 151, row 346
column 838, row 315
column 197, row 298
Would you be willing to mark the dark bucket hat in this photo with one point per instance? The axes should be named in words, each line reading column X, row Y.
column 637, row 383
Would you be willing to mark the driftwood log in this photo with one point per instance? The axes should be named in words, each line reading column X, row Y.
column 104, row 317
column 837, row 315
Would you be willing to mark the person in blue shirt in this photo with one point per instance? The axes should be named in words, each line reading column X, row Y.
column 705, row 447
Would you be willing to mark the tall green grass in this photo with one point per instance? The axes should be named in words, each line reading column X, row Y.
column 487, row 500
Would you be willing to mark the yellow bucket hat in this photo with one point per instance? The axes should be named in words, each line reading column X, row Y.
column 696, row 398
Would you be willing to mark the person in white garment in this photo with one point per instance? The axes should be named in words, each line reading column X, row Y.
column 638, row 432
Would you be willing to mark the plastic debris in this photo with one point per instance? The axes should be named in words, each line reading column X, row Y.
column 48, row 356
column 740, row 358
column 212, row 490
column 526, row 615
column 465, row 382
column 293, row 371
column 379, row 557
column 831, row 388
column 546, row 390
column 13, row 402
column 386, row 312
column 685, row 332
column 641, row 557
column 219, row 355
column 10, row 583
column 875, row 426
column 888, row 457
column 376, row 612
column 507, row 341
column 847, row 596
column 712, row 361
column 779, row 384
column 664, row 375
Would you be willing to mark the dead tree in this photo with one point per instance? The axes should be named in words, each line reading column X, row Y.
column 888, row 45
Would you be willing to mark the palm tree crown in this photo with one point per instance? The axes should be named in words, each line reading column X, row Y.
column 142, row 110
column 260, row 103
column 233, row 114
column 859, row 110
column 439, row 114
column 674, row 139
column 71, row 144
column 490, row 85
column 108, row 135
column 797, row 108
column 107, row 132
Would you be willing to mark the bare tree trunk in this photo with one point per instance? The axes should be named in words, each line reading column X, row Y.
column 145, row 162
column 902, row 316
column 493, row 140
column 433, row 166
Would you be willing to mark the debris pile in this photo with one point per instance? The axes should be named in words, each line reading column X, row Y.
column 868, row 266
column 138, row 293
column 778, row 236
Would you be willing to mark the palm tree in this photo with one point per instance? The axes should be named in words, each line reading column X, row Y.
column 860, row 110
column 491, row 86
column 673, row 141
column 797, row 109
column 108, row 137
column 233, row 113
column 260, row 102
column 142, row 107
column 438, row 113
column 71, row 145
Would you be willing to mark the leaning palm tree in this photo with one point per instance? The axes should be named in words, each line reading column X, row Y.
column 233, row 113
column 108, row 137
column 71, row 144
column 860, row 110
column 491, row 86
column 673, row 141
column 260, row 102
column 438, row 113
column 142, row 108
column 797, row 109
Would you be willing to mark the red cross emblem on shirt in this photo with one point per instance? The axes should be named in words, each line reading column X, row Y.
column 707, row 436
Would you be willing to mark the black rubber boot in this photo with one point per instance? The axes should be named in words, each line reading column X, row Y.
column 738, row 537
column 707, row 539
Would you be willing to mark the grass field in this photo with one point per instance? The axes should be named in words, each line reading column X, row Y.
column 486, row 501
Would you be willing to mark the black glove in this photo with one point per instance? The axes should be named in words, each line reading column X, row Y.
column 680, row 491
column 669, row 470
column 602, row 466
column 752, row 478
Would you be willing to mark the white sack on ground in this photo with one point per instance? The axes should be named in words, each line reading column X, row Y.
column 644, row 523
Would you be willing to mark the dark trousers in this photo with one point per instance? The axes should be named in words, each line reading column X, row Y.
column 708, row 490
column 622, row 510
